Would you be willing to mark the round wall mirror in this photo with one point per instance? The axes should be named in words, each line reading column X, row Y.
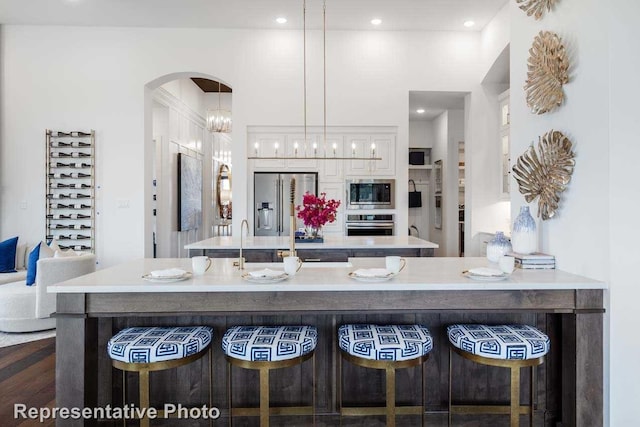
column 223, row 192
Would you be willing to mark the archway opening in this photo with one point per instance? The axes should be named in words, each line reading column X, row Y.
column 182, row 158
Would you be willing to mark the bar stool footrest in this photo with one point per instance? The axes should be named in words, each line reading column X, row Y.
column 352, row 411
column 488, row 409
column 274, row 410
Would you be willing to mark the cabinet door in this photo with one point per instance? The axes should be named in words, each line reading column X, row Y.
column 297, row 149
column 331, row 170
column 267, row 145
column 335, row 191
column 322, row 255
column 385, row 148
column 357, row 146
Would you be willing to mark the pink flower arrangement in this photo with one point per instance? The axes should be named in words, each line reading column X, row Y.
column 317, row 211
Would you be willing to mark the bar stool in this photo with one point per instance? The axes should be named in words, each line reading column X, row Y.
column 508, row 346
column 147, row 349
column 265, row 348
column 387, row 347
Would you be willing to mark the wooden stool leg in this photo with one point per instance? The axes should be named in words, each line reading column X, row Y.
column 144, row 396
column 264, row 397
column 391, row 397
column 515, row 397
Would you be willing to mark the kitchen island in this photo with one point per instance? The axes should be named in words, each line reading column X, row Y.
column 335, row 248
column 431, row 291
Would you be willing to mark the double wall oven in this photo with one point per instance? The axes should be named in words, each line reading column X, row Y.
column 370, row 225
column 370, row 194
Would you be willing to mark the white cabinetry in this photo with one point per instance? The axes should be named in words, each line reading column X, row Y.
column 334, row 157
column 331, row 170
column 297, row 149
column 335, row 191
column 267, row 145
column 382, row 146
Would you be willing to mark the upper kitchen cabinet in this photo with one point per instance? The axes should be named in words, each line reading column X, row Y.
column 267, row 145
column 505, row 150
column 297, row 149
column 370, row 146
column 331, row 170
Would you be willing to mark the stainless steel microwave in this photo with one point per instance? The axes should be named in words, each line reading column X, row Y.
column 371, row 194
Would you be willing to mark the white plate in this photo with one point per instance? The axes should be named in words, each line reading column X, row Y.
column 150, row 278
column 249, row 278
column 481, row 278
column 371, row 278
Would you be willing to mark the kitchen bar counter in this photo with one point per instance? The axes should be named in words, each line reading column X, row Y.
column 334, row 248
column 431, row 291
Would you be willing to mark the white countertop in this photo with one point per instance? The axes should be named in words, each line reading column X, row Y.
column 330, row 242
column 419, row 274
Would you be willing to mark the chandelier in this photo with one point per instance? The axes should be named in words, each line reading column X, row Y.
column 333, row 153
column 219, row 119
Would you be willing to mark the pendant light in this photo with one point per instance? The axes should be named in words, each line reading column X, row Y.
column 219, row 120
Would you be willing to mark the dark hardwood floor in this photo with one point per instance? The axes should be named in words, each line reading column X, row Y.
column 27, row 376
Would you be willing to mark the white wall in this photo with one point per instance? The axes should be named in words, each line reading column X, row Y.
column 421, row 133
column 484, row 211
column 106, row 91
column 623, row 201
column 580, row 235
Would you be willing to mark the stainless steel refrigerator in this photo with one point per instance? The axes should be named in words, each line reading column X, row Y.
column 272, row 200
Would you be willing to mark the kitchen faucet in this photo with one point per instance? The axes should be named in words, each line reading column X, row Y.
column 241, row 259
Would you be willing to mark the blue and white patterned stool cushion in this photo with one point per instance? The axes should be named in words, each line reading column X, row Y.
column 385, row 342
column 157, row 344
column 518, row 342
column 269, row 343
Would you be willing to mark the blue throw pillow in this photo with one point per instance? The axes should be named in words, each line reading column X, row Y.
column 8, row 255
column 32, row 263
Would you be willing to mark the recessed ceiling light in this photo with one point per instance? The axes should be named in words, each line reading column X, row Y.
column 420, row 111
column 281, row 20
column 469, row 24
column 376, row 21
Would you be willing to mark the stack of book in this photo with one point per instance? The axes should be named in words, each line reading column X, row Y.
column 535, row 260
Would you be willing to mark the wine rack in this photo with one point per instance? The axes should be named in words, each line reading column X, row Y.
column 70, row 189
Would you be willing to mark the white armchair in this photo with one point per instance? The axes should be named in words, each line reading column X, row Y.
column 28, row 308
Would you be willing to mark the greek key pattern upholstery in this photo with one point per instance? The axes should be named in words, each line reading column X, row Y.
column 158, row 344
column 269, row 343
column 385, row 342
column 505, row 342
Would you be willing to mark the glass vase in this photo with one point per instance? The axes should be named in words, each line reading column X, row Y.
column 524, row 237
column 313, row 233
column 498, row 247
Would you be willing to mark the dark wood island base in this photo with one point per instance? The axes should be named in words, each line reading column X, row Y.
column 570, row 382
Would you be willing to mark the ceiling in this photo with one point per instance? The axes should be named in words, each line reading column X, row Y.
column 434, row 103
column 413, row 15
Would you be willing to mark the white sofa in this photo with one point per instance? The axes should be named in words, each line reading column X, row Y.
column 28, row 308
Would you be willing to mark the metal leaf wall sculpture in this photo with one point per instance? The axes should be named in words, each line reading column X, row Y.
column 547, row 173
column 536, row 7
column 548, row 71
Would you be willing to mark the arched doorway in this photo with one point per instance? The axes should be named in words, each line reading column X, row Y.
column 181, row 161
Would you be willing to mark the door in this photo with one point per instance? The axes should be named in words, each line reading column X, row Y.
column 266, row 208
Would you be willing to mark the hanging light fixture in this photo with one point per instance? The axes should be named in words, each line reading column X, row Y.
column 328, row 155
column 219, row 120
